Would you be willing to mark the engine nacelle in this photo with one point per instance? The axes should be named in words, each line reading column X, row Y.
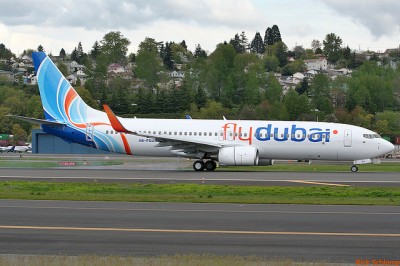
column 240, row 155
column 265, row 162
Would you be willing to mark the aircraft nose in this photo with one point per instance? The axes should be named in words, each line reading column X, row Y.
column 387, row 146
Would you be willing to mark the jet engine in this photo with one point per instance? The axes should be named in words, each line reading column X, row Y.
column 239, row 155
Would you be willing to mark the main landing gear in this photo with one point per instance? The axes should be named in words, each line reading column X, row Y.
column 200, row 165
column 354, row 168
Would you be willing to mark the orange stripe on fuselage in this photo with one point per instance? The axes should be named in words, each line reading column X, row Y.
column 126, row 144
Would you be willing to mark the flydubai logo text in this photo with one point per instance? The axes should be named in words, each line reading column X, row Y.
column 231, row 131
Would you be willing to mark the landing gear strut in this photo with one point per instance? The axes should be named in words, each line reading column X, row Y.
column 200, row 165
column 354, row 168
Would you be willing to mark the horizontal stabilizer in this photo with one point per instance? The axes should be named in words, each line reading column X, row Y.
column 36, row 120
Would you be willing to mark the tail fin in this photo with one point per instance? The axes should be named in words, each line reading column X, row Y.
column 61, row 103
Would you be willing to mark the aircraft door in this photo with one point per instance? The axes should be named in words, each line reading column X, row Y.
column 347, row 138
column 89, row 132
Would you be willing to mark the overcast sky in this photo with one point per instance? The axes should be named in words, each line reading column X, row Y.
column 362, row 24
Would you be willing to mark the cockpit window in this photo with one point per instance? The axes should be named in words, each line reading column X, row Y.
column 372, row 136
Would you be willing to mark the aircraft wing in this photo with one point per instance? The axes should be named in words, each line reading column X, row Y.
column 175, row 142
column 36, row 120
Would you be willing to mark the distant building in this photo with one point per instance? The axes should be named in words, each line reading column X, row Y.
column 316, row 64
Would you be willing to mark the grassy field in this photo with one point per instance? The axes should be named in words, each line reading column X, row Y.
column 176, row 260
column 317, row 167
column 199, row 193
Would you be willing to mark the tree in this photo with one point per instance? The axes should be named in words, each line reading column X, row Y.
column 392, row 121
column 114, row 46
column 19, row 134
column 271, row 63
column 40, row 48
column 148, row 63
column 273, row 90
column 168, row 58
column 63, row 68
column 220, row 66
column 320, row 94
column 332, row 45
column 96, row 50
column 293, row 67
column 268, row 37
column 199, row 53
column 299, row 52
column 237, row 45
column 62, row 54
column 244, row 41
column 315, row 44
column 183, row 44
column 200, row 98
column 276, row 34
column 279, row 50
column 302, row 87
column 296, row 105
column 257, row 44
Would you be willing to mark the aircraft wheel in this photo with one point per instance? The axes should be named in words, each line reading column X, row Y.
column 210, row 165
column 198, row 166
column 354, row 168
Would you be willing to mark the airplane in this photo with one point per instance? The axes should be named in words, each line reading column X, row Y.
column 209, row 142
column 20, row 149
column 14, row 148
column 5, row 149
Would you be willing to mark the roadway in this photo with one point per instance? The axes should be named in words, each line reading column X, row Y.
column 297, row 232
column 125, row 174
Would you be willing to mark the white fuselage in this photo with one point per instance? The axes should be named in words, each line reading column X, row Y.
column 273, row 139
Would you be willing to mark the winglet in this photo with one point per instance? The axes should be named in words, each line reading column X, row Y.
column 115, row 123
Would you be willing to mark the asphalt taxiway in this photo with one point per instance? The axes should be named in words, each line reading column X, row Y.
column 129, row 175
column 297, row 232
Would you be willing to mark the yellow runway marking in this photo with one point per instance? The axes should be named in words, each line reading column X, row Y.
column 318, row 183
column 154, row 230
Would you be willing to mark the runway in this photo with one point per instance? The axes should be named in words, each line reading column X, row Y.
column 129, row 175
column 297, row 232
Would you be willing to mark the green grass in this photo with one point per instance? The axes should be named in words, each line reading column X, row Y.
column 22, row 163
column 200, row 193
column 304, row 167
column 179, row 260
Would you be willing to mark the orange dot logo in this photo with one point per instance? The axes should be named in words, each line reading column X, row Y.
column 335, row 132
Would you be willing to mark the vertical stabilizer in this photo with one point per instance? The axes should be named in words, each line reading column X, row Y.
column 61, row 103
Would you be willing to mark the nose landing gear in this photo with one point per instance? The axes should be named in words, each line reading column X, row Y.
column 354, row 168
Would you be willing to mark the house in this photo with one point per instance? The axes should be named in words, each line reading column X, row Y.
column 177, row 74
column 74, row 67
column 316, row 64
column 79, row 75
column 26, row 59
column 30, row 79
